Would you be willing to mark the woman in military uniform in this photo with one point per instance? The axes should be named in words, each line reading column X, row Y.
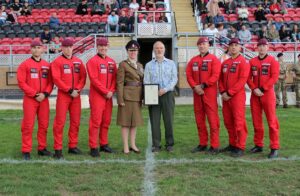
column 129, row 89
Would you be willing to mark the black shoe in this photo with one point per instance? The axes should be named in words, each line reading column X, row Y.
column 44, row 152
column 237, row 152
column 135, row 151
column 273, row 154
column 156, row 149
column 199, row 148
column 74, row 151
column 256, row 149
column 285, row 106
column 94, row 152
column 228, row 148
column 169, row 148
column 106, row 148
column 277, row 105
column 26, row 156
column 213, row 151
column 58, row 154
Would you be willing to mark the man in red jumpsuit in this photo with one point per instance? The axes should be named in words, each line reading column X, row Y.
column 34, row 79
column 202, row 74
column 234, row 75
column 69, row 75
column 263, row 75
column 102, row 73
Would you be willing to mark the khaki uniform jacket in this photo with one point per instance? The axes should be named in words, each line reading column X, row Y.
column 128, row 73
column 282, row 71
column 296, row 70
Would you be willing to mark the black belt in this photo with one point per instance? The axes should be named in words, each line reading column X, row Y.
column 133, row 84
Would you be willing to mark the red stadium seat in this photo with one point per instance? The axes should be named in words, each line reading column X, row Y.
column 96, row 18
column 277, row 17
column 40, row 19
column 30, row 19
column 86, row 18
column 70, row 11
column 288, row 17
column 27, row 41
column 5, row 41
column 278, row 47
column 232, row 17
column 21, row 19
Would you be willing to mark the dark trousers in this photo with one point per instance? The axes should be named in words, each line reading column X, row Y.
column 166, row 107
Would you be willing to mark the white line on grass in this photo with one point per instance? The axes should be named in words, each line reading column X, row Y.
column 149, row 183
column 161, row 161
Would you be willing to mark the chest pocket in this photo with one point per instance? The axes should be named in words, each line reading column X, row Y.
column 45, row 72
column 254, row 70
column 195, row 66
column 34, row 73
column 233, row 68
column 265, row 70
column 204, row 66
column 67, row 69
column 76, row 67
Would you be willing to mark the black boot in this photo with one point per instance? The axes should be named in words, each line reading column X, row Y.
column 237, row 152
column 106, row 148
column 199, row 148
column 228, row 148
column 95, row 152
column 213, row 151
column 285, row 105
column 256, row 149
column 44, row 152
column 58, row 154
column 273, row 154
column 74, row 151
column 26, row 156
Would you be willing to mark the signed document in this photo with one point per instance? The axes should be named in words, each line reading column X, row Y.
column 151, row 94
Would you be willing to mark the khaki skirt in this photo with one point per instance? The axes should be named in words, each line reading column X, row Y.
column 130, row 115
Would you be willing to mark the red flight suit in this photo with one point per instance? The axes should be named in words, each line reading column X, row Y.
column 34, row 77
column 263, row 75
column 205, row 71
column 68, row 75
column 234, row 75
column 102, row 74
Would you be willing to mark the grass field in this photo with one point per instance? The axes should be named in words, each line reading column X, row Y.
column 177, row 173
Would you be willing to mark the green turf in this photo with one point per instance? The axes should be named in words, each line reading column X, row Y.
column 199, row 178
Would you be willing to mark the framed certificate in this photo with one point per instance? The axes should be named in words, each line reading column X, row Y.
column 151, row 94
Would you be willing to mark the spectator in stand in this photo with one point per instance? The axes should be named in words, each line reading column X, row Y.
column 115, row 6
column 26, row 10
column 260, row 13
column 275, row 7
column 284, row 35
column 211, row 30
column 279, row 24
column 201, row 4
column 134, row 5
column 144, row 19
column 239, row 25
column 113, row 22
column 230, row 7
column 7, row 3
column 17, row 7
column 98, row 8
column 243, row 12
column 151, row 4
column 144, row 6
column 54, row 21
column 207, row 18
column 298, row 3
column 46, row 36
column 266, row 5
column 263, row 33
column 11, row 16
column 295, row 33
column 283, row 7
column 232, row 32
column 221, row 3
column 131, row 21
column 213, row 7
column 288, row 3
column 3, row 17
column 244, row 35
column 222, row 34
column 163, row 18
column 273, row 34
column 82, row 8
column 123, row 22
column 55, row 46
column 219, row 18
